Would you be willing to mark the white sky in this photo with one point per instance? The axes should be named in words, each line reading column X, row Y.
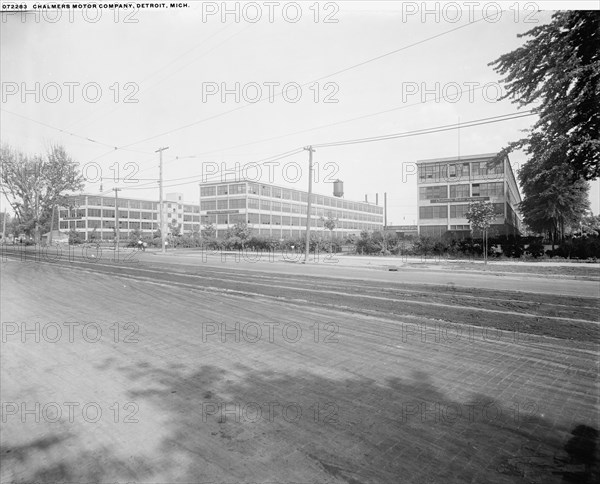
column 172, row 55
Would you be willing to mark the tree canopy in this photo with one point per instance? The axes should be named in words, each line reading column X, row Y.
column 34, row 184
column 559, row 68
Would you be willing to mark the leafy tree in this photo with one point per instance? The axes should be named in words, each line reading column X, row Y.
column 553, row 204
column 209, row 231
column 34, row 184
column 559, row 68
column 480, row 216
column 75, row 237
column 240, row 231
column 330, row 223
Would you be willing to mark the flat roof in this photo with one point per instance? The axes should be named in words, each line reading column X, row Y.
column 459, row 158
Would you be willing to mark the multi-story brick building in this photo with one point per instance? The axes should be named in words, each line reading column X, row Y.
column 447, row 185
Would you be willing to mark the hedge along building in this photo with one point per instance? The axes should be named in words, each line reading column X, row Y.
column 270, row 210
column 447, row 185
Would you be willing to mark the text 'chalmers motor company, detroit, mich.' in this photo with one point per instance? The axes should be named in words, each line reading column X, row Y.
column 81, row 5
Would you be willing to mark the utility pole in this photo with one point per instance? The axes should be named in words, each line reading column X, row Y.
column 51, row 225
column 160, row 203
column 310, row 150
column 117, row 228
column 4, row 226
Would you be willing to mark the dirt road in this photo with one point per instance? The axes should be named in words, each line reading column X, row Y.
column 172, row 372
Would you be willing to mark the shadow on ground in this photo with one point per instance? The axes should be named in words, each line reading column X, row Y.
column 242, row 425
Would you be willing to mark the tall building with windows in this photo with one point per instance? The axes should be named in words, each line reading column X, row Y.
column 447, row 185
column 270, row 210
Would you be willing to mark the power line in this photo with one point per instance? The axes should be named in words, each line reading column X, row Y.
column 405, row 134
column 114, row 148
column 373, row 59
column 438, row 129
column 335, row 123
column 172, row 72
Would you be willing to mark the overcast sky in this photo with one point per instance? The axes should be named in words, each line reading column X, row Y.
column 175, row 61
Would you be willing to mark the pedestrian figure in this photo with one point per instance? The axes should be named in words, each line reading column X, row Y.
column 144, row 245
column 140, row 244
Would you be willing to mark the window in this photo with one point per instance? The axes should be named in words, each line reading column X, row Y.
column 237, row 189
column 208, row 191
column 147, row 205
column 265, row 219
column 459, row 191
column 433, row 212
column 276, row 206
column 94, row 212
column 484, row 168
column 237, row 203
column 265, row 205
column 222, row 219
column 276, row 192
column 296, row 196
column 286, row 194
column 429, row 193
column 252, row 218
column 265, row 191
column 253, row 188
column 253, row 203
column 208, row 205
column 222, row 190
column 222, row 205
column 498, row 208
column 488, row 189
column 459, row 211
column 108, row 213
column 94, row 201
column 276, row 219
column 432, row 230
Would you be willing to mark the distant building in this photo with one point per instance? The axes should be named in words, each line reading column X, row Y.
column 270, row 210
column 447, row 185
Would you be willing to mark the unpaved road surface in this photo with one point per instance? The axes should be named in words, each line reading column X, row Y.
column 174, row 370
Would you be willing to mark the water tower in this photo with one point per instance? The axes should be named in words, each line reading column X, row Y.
column 338, row 188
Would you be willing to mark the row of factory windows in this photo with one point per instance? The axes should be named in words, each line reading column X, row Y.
column 434, row 172
column 495, row 189
column 456, row 211
column 287, row 194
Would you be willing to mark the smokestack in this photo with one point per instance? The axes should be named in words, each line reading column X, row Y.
column 366, row 199
column 385, row 209
column 377, row 199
